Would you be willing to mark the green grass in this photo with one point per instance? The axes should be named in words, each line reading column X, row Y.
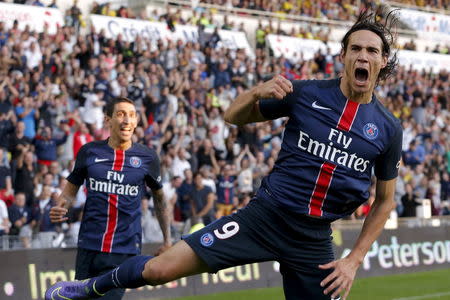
column 431, row 285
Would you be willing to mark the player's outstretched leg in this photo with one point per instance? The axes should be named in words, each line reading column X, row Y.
column 127, row 275
column 179, row 261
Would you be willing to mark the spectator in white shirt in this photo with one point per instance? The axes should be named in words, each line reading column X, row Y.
column 33, row 55
column 92, row 112
column 244, row 166
column 4, row 219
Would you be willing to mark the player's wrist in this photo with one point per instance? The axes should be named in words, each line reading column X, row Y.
column 255, row 94
column 356, row 258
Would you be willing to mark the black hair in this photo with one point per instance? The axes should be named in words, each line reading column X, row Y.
column 109, row 109
column 371, row 20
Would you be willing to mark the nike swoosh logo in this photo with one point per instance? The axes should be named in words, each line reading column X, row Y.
column 100, row 159
column 315, row 105
column 58, row 294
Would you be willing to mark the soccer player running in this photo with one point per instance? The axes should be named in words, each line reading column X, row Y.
column 115, row 172
column 336, row 133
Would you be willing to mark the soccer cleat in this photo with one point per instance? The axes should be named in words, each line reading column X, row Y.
column 71, row 290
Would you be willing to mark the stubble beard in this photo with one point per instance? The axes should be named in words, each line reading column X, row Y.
column 361, row 97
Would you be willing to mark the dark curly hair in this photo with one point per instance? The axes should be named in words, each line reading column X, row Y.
column 372, row 21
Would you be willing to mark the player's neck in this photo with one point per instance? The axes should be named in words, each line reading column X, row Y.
column 361, row 98
column 119, row 145
column 349, row 93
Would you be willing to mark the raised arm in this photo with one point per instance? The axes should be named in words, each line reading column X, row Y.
column 9, row 188
column 21, row 156
column 12, row 89
column 167, row 119
column 162, row 214
column 245, row 107
column 215, row 164
column 143, row 117
column 180, row 139
column 239, row 158
column 250, row 155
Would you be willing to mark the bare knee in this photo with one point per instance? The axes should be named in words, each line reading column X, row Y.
column 178, row 261
column 163, row 269
column 155, row 273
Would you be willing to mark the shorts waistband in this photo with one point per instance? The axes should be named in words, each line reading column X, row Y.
column 314, row 220
column 298, row 217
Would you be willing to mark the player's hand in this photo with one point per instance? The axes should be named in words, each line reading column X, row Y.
column 163, row 248
column 278, row 87
column 58, row 213
column 341, row 279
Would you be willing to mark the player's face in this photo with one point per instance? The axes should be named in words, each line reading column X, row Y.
column 363, row 60
column 123, row 121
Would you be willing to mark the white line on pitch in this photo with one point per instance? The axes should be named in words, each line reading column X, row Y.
column 424, row 296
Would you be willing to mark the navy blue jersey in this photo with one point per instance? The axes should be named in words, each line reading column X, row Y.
column 330, row 145
column 115, row 182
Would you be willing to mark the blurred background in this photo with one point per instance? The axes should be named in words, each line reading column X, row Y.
column 183, row 63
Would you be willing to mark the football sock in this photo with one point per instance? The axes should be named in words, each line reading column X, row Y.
column 127, row 275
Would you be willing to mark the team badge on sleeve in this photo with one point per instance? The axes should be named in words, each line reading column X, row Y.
column 207, row 239
column 135, row 161
column 370, row 131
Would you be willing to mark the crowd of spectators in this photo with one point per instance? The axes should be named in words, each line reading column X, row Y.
column 328, row 10
column 439, row 48
column 53, row 89
column 434, row 4
column 342, row 10
column 332, row 10
column 208, row 19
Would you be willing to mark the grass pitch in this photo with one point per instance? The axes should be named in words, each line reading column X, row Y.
column 415, row 286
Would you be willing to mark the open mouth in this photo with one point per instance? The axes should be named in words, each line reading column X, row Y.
column 125, row 130
column 361, row 75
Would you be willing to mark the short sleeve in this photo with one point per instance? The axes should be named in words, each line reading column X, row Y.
column 153, row 176
column 208, row 190
column 387, row 164
column 272, row 109
column 6, row 172
column 79, row 172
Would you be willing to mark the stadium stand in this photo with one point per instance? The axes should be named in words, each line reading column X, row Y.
column 53, row 87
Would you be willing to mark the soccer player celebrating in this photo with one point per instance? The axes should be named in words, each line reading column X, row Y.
column 115, row 172
column 337, row 132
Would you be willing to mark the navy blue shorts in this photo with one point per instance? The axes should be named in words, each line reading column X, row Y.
column 90, row 263
column 261, row 232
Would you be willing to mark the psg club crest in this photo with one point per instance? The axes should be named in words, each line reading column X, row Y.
column 135, row 161
column 207, row 239
column 370, row 131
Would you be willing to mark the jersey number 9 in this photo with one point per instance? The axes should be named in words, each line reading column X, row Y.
column 229, row 229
